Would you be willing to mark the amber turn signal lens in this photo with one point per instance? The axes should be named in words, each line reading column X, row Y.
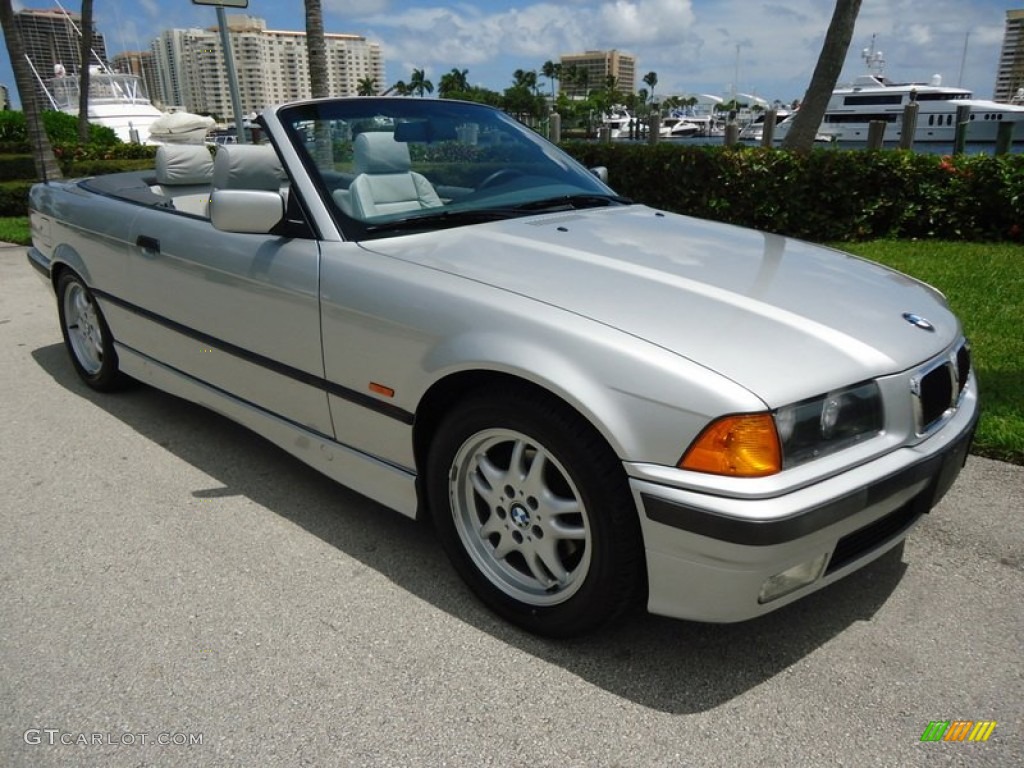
column 745, row 445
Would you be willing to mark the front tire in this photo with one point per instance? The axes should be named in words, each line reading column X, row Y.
column 534, row 511
column 86, row 334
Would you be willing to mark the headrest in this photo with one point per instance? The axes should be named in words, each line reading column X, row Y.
column 247, row 166
column 183, row 164
column 378, row 152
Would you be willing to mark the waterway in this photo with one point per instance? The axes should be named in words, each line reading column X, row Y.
column 924, row 147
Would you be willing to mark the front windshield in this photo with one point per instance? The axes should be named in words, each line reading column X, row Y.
column 393, row 165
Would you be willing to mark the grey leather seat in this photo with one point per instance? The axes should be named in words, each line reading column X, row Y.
column 385, row 184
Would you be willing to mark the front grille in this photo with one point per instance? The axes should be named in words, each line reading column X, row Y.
column 938, row 386
column 935, row 393
column 872, row 536
column 963, row 365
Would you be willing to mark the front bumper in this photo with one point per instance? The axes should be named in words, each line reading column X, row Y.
column 708, row 557
column 39, row 262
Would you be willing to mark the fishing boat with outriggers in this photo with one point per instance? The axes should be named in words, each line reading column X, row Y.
column 118, row 100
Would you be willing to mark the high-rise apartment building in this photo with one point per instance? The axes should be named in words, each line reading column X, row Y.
column 52, row 38
column 1010, row 77
column 272, row 66
column 598, row 65
column 140, row 63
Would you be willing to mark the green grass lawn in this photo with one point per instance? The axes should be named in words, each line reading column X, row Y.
column 15, row 230
column 984, row 283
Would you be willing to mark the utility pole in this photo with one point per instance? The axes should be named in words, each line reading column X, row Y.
column 229, row 59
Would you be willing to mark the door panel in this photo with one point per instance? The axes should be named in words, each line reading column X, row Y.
column 238, row 311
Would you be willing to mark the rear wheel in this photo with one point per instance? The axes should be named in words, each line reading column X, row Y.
column 86, row 335
column 534, row 512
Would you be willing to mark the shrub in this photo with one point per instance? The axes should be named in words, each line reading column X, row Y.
column 20, row 166
column 12, row 127
column 14, row 198
column 824, row 195
column 60, row 127
column 91, row 159
column 101, row 167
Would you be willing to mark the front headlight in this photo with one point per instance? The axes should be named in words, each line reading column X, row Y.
column 823, row 425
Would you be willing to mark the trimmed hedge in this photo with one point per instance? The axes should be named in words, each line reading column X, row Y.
column 93, row 159
column 19, row 166
column 60, row 127
column 74, row 163
column 827, row 194
column 14, row 198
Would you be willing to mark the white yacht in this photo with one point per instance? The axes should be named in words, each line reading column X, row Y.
column 116, row 100
column 673, row 127
column 754, row 130
column 873, row 97
column 618, row 122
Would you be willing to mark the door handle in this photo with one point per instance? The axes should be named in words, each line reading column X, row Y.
column 150, row 245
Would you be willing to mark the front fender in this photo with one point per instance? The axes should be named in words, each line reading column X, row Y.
column 65, row 256
column 646, row 402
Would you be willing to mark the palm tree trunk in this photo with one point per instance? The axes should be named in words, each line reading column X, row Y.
column 316, row 49
column 85, row 59
column 830, row 63
column 46, row 162
column 316, row 52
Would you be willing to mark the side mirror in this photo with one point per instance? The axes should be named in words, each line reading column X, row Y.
column 601, row 172
column 247, row 211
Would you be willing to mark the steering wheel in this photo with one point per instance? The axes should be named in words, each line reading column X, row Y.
column 499, row 177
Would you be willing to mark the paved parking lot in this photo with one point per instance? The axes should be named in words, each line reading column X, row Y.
column 175, row 591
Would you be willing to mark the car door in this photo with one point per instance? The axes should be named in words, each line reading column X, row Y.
column 239, row 312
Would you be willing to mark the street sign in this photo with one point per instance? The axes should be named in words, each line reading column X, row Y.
column 224, row 3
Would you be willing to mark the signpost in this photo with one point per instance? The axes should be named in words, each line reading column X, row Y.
column 229, row 59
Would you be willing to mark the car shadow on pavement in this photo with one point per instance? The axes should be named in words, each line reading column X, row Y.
column 670, row 666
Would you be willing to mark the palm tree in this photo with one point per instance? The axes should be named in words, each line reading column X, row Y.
column 651, row 80
column 46, row 162
column 367, row 86
column 418, row 83
column 611, row 87
column 85, row 58
column 574, row 78
column 316, row 50
column 583, row 81
column 826, row 73
column 456, row 81
column 523, row 78
column 552, row 71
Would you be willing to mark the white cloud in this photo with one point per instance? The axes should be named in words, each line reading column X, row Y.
column 461, row 36
column 691, row 44
column 632, row 22
column 349, row 9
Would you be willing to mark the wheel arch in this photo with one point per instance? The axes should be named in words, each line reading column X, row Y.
column 67, row 258
column 445, row 393
column 622, row 581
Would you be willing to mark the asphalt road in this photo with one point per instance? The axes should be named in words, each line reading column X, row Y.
column 166, row 576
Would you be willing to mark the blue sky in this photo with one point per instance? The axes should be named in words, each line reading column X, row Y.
column 697, row 46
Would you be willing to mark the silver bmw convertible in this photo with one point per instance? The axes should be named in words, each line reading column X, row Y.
column 599, row 405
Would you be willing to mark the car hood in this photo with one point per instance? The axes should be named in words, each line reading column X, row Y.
column 781, row 317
